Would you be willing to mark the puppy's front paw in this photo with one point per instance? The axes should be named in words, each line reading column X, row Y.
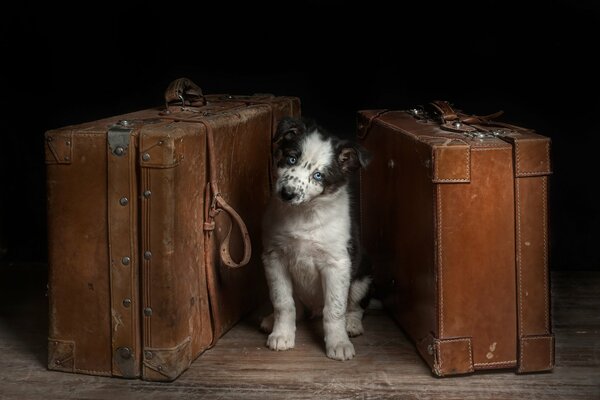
column 343, row 350
column 354, row 327
column 278, row 341
column 266, row 325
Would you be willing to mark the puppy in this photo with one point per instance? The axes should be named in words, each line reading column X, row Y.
column 312, row 254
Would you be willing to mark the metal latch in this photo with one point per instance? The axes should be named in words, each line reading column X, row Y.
column 118, row 137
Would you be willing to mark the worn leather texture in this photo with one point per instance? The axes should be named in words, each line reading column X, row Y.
column 137, row 287
column 463, row 265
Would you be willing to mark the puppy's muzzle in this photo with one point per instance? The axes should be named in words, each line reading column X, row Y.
column 287, row 194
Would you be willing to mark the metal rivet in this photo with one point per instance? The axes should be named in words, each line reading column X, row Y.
column 125, row 260
column 126, row 303
column 57, row 362
column 148, row 312
column 147, row 193
column 456, row 124
column 124, row 201
column 430, row 349
column 147, row 255
column 160, row 368
column 68, row 142
column 50, row 138
column 119, row 151
column 124, row 122
column 125, row 352
column 391, row 163
column 67, row 158
column 146, row 157
column 148, row 355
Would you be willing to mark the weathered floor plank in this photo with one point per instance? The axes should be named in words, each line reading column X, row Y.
column 240, row 367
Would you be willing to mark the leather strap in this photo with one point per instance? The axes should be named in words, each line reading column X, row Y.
column 457, row 121
column 219, row 204
column 363, row 129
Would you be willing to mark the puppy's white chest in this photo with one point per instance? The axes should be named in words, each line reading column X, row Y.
column 306, row 277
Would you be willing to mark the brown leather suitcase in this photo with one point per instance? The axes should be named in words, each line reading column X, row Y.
column 462, row 258
column 147, row 240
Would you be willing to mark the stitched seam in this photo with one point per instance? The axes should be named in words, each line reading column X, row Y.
column 451, row 180
column 489, row 148
column 550, row 344
column 133, row 210
column 520, row 278
column 440, row 264
column 548, row 154
column 534, row 173
column 517, row 157
column 147, row 335
column 88, row 371
column 467, row 165
column 545, row 266
column 511, row 362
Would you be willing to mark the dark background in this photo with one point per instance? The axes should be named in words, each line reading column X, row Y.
column 536, row 61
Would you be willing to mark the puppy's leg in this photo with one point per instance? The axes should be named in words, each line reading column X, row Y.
column 336, row 282
column 358, row 290
column 266, row 325
column 284, row 311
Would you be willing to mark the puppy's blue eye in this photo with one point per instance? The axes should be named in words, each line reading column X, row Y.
column 291, row 160
column 317, row 176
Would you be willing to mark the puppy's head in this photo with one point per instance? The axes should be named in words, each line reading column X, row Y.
column 310, row 163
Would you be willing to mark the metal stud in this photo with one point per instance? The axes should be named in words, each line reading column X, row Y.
column 125, row 260
column 50, row 138
column 457, row 124
column 125, row 352
column 126, row 303
column 147, row 193
column 146, row 157
column 148, row 355
column 120, row 151
column 430, row 349
column 147, row 255
column 124, row 201
column 148, row 312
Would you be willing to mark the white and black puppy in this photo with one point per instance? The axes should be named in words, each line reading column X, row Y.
column 312, row 254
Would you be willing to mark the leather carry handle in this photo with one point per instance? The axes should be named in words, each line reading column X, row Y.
column 457, row 121
column 447, row 113
column 184, row 91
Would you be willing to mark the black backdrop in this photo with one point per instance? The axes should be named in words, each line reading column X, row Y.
column 536, row 61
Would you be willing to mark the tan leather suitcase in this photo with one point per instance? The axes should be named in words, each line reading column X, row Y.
column 462, row 258
column 150, row 216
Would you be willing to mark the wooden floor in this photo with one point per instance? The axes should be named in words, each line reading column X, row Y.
column 240, row 367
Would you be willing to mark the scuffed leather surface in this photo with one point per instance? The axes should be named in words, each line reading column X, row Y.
column 447, row 264
column 189, row 292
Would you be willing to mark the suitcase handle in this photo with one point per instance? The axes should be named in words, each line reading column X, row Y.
column 184, row 91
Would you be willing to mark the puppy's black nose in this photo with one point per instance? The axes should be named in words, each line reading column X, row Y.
column 287, row 194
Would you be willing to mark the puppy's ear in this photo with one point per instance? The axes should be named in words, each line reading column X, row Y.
column 288, row 128
column 352, row 156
